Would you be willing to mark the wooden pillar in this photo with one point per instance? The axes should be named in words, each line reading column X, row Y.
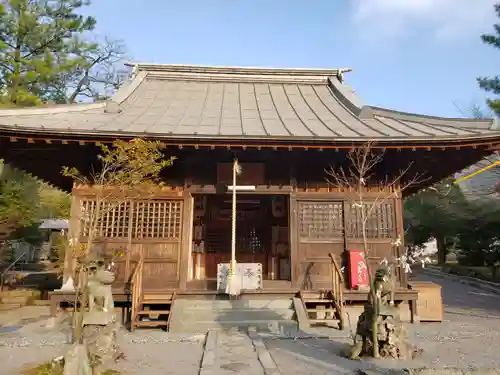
column 187, row 240
column 400, row 232
column 128, row 270
column 73, row 236
column 294, row 246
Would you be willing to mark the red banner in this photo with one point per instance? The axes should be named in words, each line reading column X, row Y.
column 358, row 269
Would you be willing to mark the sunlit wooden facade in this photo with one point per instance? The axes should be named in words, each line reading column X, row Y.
column 286, row 127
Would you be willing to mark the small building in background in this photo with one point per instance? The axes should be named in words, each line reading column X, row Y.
column 484, row 184
column 50, row 228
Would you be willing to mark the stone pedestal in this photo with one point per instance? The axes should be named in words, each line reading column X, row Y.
column 102, row 344
column 391, row 335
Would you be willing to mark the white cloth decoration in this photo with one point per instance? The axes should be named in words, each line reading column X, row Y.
column 68, row 286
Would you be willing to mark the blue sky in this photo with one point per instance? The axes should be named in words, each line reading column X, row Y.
column 411, row 55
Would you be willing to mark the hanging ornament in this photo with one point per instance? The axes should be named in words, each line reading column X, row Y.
column 278, row 206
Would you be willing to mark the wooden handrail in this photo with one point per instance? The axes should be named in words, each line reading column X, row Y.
column 338, row 288
column 136, row 286
column 336, row 265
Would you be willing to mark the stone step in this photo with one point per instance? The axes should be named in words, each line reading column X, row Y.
column 317, row 300
column 329, row 322
column 20, row 293
column 271, row 326
column 238, row 314
column 9, row 306
column 22, row 300
column 285, row 303
column 41, row 302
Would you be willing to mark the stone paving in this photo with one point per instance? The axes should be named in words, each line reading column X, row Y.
column 235, row 353
column 469, row 337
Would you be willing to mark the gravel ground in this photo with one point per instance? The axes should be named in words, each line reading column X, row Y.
column 146, row 352
column 469, row 337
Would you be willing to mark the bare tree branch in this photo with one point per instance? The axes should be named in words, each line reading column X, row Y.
column 358, row 179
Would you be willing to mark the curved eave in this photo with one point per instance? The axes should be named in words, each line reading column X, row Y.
column 65, row 134
column 242, row 105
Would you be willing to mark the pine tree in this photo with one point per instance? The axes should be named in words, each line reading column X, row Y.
column 492, row 84
column 38, row 41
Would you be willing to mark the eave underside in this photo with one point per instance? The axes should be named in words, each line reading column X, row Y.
column 431, row 162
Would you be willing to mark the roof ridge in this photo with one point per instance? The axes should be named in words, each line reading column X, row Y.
column 54, row 109
column 213, row 69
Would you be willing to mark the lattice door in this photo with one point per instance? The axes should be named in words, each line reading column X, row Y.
column 320, row 227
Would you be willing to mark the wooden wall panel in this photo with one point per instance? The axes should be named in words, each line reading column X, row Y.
column 314, row 264
column 315, row 274
column 109, row 250
column 320, row 231
column 151, row 230
column 160, row 275
column 251, row 174
column 162, row 251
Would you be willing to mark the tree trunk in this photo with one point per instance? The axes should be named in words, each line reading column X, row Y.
column 441, row 248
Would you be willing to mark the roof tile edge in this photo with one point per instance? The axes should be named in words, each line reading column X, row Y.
column 370, row 111
column 58, row 108
column 346, row 95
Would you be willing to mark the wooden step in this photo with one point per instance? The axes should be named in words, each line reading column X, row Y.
column 318, row 301
column 316, row 321
column 156, row 301
column 322, row 310
column 153, row 312
column 157, row 296
column 151, row 323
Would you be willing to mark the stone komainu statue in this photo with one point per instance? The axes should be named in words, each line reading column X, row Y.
column 99, row 288
column 384, row 286
column 391, row 336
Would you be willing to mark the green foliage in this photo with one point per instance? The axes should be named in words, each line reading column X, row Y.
column 492, row 84
column 434, row 212
column 129, row 165
column 39, row 41
column 58, row 252
column 50, row 368
column 24, row 201
column 47, row 368
column 53, row 203
column 470, row 226
column 18, row 199
column 48, row 54
column 478, row 236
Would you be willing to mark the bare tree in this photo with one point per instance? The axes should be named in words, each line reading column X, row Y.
column 98, row 74
column 356, row 179
column 126, row 169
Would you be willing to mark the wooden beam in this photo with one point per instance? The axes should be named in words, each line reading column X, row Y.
column 381, row 144
column 259, row 189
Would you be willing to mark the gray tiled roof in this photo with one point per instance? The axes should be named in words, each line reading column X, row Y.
column 485, row 183
column 180, row 101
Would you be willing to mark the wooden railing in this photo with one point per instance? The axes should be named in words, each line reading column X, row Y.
column 338, row 285
column 136, row 289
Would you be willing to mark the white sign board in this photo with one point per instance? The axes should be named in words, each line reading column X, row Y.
column 249, row 275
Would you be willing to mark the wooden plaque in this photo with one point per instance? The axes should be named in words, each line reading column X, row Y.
column 358, row 269
column 251, row 174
